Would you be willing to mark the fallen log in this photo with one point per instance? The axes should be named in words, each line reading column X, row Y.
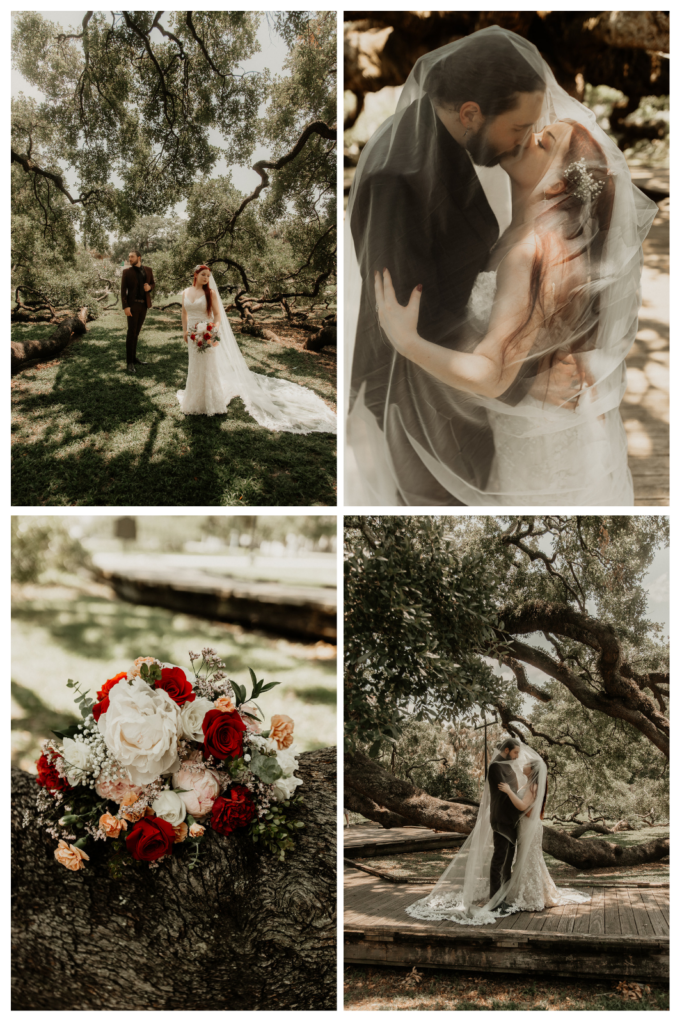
column 256, row 331
column 326, row 335
column 24, row 352
column 241, row 931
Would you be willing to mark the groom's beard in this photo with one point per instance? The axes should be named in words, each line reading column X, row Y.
column 482, row 153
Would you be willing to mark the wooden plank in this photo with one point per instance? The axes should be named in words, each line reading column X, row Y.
column 597, row 925
column 537, row 921
column 522, row 920
column 565, row 924
column 639, row 912
column 581, row 918
column 627, row 918
column 611, row 918
column 660, row 902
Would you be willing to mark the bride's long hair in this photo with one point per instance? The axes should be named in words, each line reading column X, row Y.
column 206, row 287
column 573, row 228
column 533, row 780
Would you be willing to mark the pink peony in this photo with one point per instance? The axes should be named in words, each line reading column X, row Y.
column 117, row 791
column 202, row 786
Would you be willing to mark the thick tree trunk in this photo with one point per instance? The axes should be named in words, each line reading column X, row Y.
column 24, row 352
column 370, row 780
column 595, row 853
column 325, row 335
column 256, row 331
column 368, row 785
column 242, row 931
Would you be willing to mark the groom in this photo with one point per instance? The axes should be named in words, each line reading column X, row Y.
column 137, row 285
column 421, row 212
column 503, row 815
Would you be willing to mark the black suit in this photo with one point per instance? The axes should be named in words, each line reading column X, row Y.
column 421, row 212
column 503, row 820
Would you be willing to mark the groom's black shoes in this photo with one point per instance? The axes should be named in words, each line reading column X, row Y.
column 505, row 908
column 130, row 368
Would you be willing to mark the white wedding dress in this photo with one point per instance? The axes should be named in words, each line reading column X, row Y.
column 538, row 461
column 217, row 375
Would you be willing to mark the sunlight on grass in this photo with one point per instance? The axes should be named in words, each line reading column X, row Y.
column 71, row 635
column 85, row 433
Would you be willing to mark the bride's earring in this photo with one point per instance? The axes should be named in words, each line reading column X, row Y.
column 467, row 132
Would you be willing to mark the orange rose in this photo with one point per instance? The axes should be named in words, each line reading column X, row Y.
column 224, row 704
column 69, row 856
column 112, row 826
column 180, row 833
column 282, row 731
column 196, row 830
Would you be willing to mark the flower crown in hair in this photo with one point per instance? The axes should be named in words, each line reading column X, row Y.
column 200, row 266
column 583, row 184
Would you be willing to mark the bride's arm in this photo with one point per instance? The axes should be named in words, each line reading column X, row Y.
column 521, row 805
column 184, row 319
column 494, row 364
column 216, row 309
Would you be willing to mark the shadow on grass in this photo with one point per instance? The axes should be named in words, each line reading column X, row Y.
column 86, row 433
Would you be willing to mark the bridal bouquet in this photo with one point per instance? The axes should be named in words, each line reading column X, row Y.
column 204, row 336
column 161, row 756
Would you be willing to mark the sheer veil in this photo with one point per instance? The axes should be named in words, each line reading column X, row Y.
column 413, row 440
column 274, row 403
column 462, row 893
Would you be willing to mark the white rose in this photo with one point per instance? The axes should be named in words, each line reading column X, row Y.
column 191, row 719
column 169, row 806
column 78, row 759
column 140, row 728
column 288, row 760
column 284, row 788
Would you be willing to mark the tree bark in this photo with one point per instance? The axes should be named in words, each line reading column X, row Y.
column 369, row 785
column 24, row 352
column 252, row 328
column 242, row 931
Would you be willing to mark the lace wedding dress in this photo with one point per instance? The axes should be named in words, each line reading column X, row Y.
column 217, row 375
column 550, row 467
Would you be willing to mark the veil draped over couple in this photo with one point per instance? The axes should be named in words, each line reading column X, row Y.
column 500, row 868
column 217, row 373
column 493, row 266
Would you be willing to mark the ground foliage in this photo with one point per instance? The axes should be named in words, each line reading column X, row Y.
column 127, row 112
column 372, row 988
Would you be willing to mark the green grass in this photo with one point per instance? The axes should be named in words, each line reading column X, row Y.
column 85, row 433
column 372, row 988
column 61, row 633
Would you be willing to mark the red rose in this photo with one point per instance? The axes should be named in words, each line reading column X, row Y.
column 193, row 336
column 206, row 336
column 233, row 811
column 223, row 733
column 176, row 684
column 47, row 775
column 150, row 839
column 198, row 344
column 102, row 704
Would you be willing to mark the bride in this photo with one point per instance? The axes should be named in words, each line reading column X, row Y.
column 508, row 370
column 217, row 371
column 463, row 892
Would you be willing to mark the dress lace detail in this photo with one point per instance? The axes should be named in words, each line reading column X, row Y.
column 218, row 375
column 548, row 468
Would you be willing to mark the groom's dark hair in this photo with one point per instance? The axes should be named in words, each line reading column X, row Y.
column 509, row 744
column 137, row 252
column 486, row 70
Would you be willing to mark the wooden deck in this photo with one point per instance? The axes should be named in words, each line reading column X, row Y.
column 622, row 931
column 370, row 840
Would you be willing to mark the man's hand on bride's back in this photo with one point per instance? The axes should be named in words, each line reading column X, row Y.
column 399, row 323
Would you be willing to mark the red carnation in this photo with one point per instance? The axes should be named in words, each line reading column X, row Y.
column 150, row 839
column 102, row 704
column 48, row 775
column 234, row 811
column 176, row 684
column 223, row 733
